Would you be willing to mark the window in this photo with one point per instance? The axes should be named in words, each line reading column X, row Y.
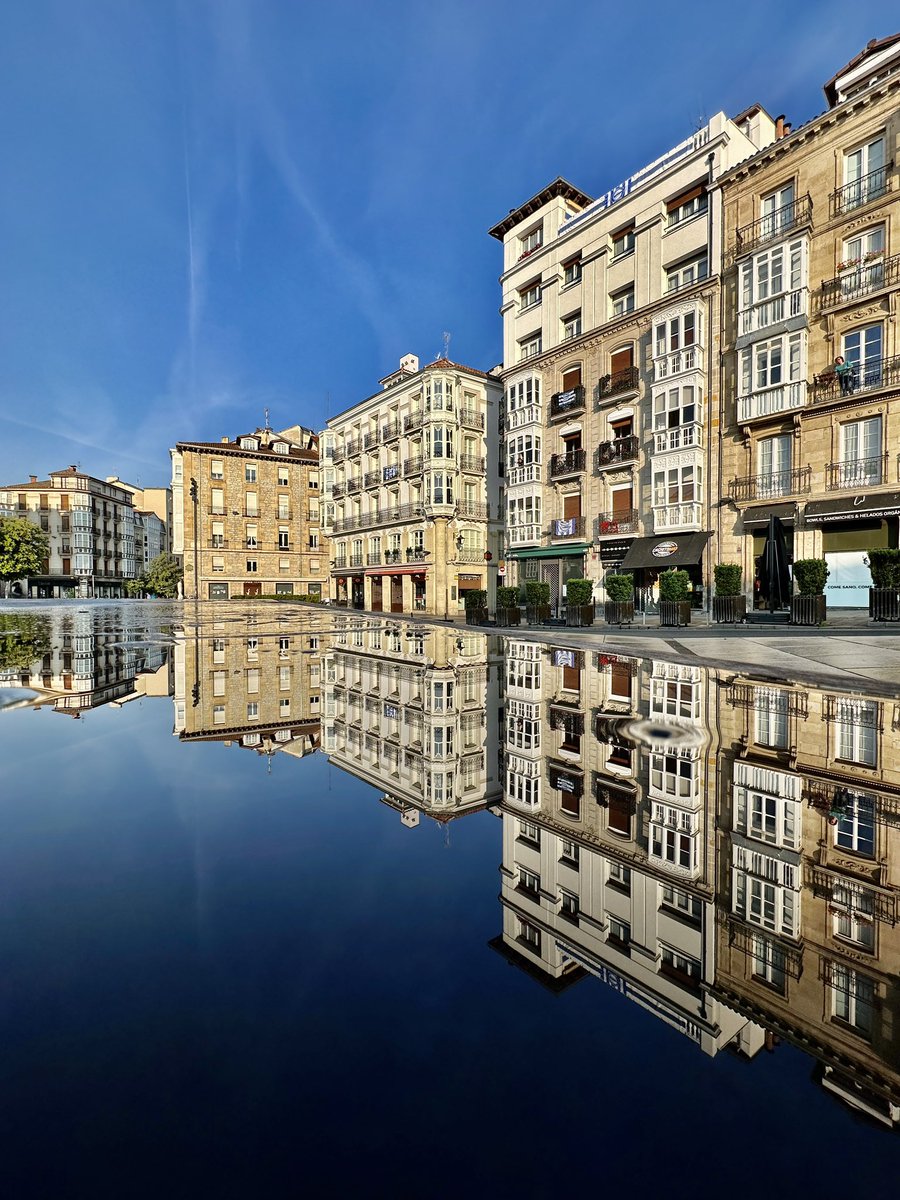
column 284, row 679
column 623, row 242
column 863, row 349
column 284, row 538
column 218, row 534
column 773, row 463
column 253, row 680
column 768, row 962
column 252, row 566
column 622, row 302
column 852, row 998
column 217, row 469
column 530, row 936
column 280, row 447
column 530, row 295
column 568, row 905
column 218, row 649
column 681, row 966
column 619, row 932
column 251, row 504
column 861, row 463
column 219, row 683
column 284, row 707
column 253, row 647
column 770, row 363
column 767, row 818
column 687, row 205
column 523, row 789
column 217, row 502
column 569, row 852
column 529, row 832
column 678, row 333
column 675, row 407
column 218, row 563
column 671, row 837
column 250, row 473
column 313, row 541
column 853, row 912
column 863, row 249
column 571, row 271
column 769, row 905
column 531, row 241
column 529, row 882
column 253, row 711
column 248, row 443
column 681, row 902
column 677, row 485
column 683, row 274
column 252, row 536
column 856, row 731
column 771, row 273
column 674, row 776
column 855, row 829
column 283, row 477
column 218, row 714
column 619, row 876
column 530, row 346
column 284, row 564
column 777, row 211
column 284, row 645
column 284, row 508
column 865, row 175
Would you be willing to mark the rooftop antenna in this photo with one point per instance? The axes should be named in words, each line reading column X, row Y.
column 446, row 339
column 266, row 411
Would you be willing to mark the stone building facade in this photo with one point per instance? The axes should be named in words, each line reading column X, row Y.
column 411, row 491
column 90, row 525
column 812, row 247
column 246, row 515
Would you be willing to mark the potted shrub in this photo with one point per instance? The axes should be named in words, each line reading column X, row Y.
column 537, row 601
column 475, row 600
column 580, row 602
column 674, row 598
column 884, row 594
column 729, row 602
column 619, row 606
column 808, row 607
column 508, row 606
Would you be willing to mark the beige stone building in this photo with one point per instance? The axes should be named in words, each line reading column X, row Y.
column 809, row 878
column 611, row 339
column 154, row 506
column 246, row 515
column 413, row 711
column 90, row 525
column 812, row 246
column 259, row 690
column 411, row 492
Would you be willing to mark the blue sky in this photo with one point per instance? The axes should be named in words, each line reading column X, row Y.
column 209, row 207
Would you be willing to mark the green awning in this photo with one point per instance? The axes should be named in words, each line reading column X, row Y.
column 551, row 551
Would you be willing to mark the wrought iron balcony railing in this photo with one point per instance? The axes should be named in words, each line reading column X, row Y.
column 390, row 430
column 619, row 450
column 795, row 481
column 773, row 225
column 566, row 527
column 370, row 441
column 472, row 462
column 476, row 509
column 626, row 380
column 413, row 466
column 869, row 376
column 567, row 464
column 565, row 404
column 372, row 479
column 413, row 420
column 860, row 279
column 471, row 418
column 612, row 524
column 856, row 473
column 861, row 191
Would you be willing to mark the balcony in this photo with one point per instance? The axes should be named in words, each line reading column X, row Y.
column 771, row 401
column 860, row 278
column 562, row 465
column 351, row 448
column 856, row 473
column 474, row 509
column 678, row 362
column 374, row 520
column 792, row 482
column 668, row 518
column 769, row 312
column 337, row 454
column 213, row 511
column 615, row 524
column 470, row 554
column 353, row 485
column 413, row 466
column 472, row 463
column 413, row 420
column 870, row 187
column 217, row 543
column 471, row 418
column 357, row 560
column 390, row 473
column 393, row 556
column 528, row 474
column 254, row 514
column 864, row 377
column 566, row 527
column 373, row 560
column 372, row 479
column 618, row 451
column 390, row 430
column 626, row 380
column 524, row 535
column 773, row 225
column 681, row 437
column 530, row 415
column 340, row 564
column 338, row 491
column 416, row 554
column 566, row 404
column 370, row 441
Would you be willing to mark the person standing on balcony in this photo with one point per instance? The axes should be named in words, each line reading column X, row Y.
column 844, row 372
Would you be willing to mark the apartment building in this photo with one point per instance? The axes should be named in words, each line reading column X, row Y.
column 259, row 690
column 611, row 335
column 609, row 839
column 411, row 494
column 809, row 878
column 154, row 506
column 90, row 524
column 811, row 417
column 413, row 711
column 246, row 515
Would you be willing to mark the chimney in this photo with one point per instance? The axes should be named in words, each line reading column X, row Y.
column 410, row 363
column 224, row 441
column 787, row 128
column 779, row 128
column 33, row 478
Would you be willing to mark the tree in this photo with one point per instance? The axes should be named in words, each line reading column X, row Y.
column 24, row 640
column 23, row 549
column 163, row 576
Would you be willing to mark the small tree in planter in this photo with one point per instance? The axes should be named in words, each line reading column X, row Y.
column 580, row 602
column 619, row 607
column 884, row 594
column 537, row 601
column 808, row 608
column 476, row 606
column 674, row 598
column 508, row 612
column 729, row 602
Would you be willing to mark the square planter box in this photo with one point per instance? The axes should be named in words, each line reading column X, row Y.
column 674, row 612
column 579, row 615
column 884, row 604
column 476, row 616
column 508, row 616
column 618, row 612
column 807, row 610
column 537, row 614
column 729, row 610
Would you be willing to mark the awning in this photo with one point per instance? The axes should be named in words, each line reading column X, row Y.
column 419, row 570
column 552, row 551
column 675, row 550
column 759, row 515
column 853, row 508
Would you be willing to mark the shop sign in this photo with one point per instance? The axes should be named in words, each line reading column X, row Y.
column 664, row 549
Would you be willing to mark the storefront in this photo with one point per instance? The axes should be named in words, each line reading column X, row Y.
column 755, row 522
column 851, row 527
column 555, row 565
column 648, row 557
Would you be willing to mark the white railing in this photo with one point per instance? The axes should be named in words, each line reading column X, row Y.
column 684, row 437
column 677, row 362
column 530, row 415
column 773, row 400
column 521, row 535
column 528, row 474
column 667, row 517
column 761, row 316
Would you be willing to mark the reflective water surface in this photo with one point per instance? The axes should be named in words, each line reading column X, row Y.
column 318, row 900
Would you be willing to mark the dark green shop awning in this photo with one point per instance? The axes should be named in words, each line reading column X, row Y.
column 660, row 553
column 551, row 551
column 759, row 514
column 865, row 507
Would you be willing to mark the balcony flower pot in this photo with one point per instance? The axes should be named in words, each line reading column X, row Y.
column 674, row 612
column 884, row 594
column 674, row 598
column 808, row 607
column 618, row 612
column 729, row 602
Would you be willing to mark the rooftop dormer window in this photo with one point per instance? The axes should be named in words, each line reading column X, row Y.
column 248, row 443
column 280, row 447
